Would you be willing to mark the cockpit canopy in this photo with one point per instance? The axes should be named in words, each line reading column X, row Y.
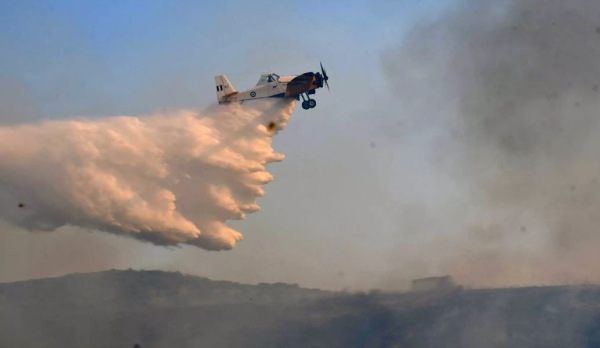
column 267, row 78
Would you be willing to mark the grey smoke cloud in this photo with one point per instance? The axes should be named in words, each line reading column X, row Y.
column 511, row 89
column 171, row 178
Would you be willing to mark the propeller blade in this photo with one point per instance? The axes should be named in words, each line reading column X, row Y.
column 324, row 73
column 325, row 77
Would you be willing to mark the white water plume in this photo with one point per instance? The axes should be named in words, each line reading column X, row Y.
column 170, row 179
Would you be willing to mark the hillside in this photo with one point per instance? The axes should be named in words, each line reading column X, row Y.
column 161, row 309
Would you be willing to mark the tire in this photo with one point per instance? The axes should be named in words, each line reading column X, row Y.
column 305, row 105
column 312, row 103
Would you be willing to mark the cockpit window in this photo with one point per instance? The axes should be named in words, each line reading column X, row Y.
column 270, row 78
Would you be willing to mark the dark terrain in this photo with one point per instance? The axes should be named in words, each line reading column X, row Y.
column 160, row 309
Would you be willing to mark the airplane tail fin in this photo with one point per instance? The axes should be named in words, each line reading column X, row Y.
column 224, row 88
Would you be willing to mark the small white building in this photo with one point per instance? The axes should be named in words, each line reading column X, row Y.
column 432, row 283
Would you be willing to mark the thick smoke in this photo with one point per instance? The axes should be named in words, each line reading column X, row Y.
column 169, row 178
column 512, row 88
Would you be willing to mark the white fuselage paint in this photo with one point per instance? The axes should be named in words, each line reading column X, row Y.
column 267, row 87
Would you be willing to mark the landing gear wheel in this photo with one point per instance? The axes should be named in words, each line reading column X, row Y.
column 312, row 103
column 305, row 105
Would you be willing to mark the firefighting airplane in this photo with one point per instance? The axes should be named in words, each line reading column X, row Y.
column 272, row 85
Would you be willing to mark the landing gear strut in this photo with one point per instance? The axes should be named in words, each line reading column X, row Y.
column 308, row 104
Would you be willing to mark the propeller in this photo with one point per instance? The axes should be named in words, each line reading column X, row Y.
column 325, row 77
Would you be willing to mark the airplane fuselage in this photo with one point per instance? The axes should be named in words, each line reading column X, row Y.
column 274, row 89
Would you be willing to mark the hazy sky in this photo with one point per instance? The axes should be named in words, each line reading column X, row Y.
column 364, row 183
